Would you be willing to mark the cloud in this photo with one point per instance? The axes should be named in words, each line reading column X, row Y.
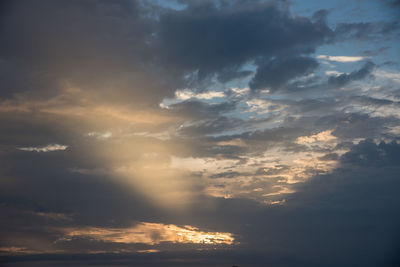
column 103, row 136
column 74, row 102
column 187, row 94
column 365, row 30
column 323, row 137
column 343, row 79
column 333, row 72
column 239, row 33
column 233, row 142
column 278, row 72
column 150, row 233
column 15, row 250
column 261, row 106
column 343, row 59
column 393, row 76
column 47, row 148
column 323, row 222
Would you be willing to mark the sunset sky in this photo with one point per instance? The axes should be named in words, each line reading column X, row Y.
column 200, row 133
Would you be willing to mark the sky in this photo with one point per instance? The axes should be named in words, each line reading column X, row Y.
column 199, row 133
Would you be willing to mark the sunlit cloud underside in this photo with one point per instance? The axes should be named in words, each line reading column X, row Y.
column 150, row 234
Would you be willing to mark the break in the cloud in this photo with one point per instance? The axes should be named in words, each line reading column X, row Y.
column 199, row 133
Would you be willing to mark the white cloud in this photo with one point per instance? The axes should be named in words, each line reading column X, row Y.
column 343, row 59
column 262, row 106
column 240, row 91
column 98, row 135
column 48, row 148
column 333, row 73
column 187, row 94
column 393, row 76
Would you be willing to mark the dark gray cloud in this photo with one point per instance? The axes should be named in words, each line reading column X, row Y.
column 90, row 44
column 225, row 38
column 229, row 174
column 345, row 78
column 367, row 153
column 279, row 71
column 124, row 45
column 34, row 179
column 212, row 126
column 365, row 30
column 200, row 110
column 345, row 218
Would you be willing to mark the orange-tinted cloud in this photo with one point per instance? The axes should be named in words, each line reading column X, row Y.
column 151, row 234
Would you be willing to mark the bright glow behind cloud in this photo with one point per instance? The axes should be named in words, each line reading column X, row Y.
column 151, row 234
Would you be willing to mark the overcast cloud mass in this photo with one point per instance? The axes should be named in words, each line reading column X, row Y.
column 199, row 133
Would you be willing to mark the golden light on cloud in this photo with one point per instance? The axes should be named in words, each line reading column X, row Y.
column 12, row 250
column 234, row 142
column 283, row 190
column 136, row 150
column 150, row 234
column 323, row 137
column 255, row 177
column 72, row 102
column 147, row 251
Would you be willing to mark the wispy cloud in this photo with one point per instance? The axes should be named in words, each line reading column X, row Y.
column 333, row 73
column 98, row 135
column 343, row 59
column 47, row 148
column 187, row 94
